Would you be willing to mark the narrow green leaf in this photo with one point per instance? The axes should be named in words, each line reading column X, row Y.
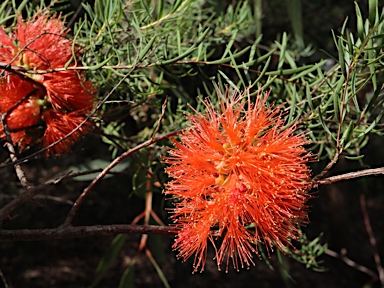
column 323, row 123
column 128, row 278
column 101, row 64
column 188, row 52
column 291, row 90
column 230, row 43
column 373, row 124
column 226, row 59
column 237, row 70
column 296, row 18
column 264, row 256
column 144, row 51
column 360, row 25
column 310, row 69
column 230, row 82
column 254, row 48
column 359, row 157
column 309, row 97
column 160, row 9
column 21, row 6
column 283, row 48
column 373, row 11
column 342, row 31
column 109, row 257
column 265, row 68
column 159, row 272
column 347, row 133
column 269, row 82
column 340, row 50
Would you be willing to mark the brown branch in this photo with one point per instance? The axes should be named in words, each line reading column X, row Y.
column 106, row 170
column 23, row 198
column 3, row 279
column 83, row 231
column 329, row 165
column 347, row 176
column 31, row 192
column 9, row 142
column 351, row 263
column 372, row 239
column 143, row 65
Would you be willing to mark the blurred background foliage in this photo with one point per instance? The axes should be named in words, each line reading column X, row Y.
column 321, row 60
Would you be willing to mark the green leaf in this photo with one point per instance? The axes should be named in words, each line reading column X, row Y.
column 128, row 278
column 144, row 51
column 159, row 272
column 187, row 52
column 98, row 165
column 373, row 11
column 21, row 6
column 360, row 25
column 347, row 133
column 323, row 123
column 340, row 50
column 109, row 257
column 359, row 157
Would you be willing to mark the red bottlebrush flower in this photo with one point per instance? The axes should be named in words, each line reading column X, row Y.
column 42, row 45
column 20, row 100
column 13, row 90
column 67, row 90
column 59, row 126
column 238, row 176
column 43, row 42
column 56, row 98
column 7, row 47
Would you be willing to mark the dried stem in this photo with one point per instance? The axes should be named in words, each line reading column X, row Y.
column 372, row 239
column 101, row 175
column 83, row 231
column 9, row 143
column 329, row 166
column 347, row 176
column 3, row 279
column 25, row 197
column 351, row 263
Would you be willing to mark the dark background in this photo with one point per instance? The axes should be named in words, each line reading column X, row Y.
column 335, row 209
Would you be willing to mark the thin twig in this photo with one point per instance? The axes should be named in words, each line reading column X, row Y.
column 372, row 239
column 351, row 263
column 98, row 105
column 342, row 108
column 25, row 197
column 140, row 66
column 106, row 170
column 83, row 231
column 9, row 142
column 74, row 16
column 54, row 198
column 347, row 176
column 329, row 166
column 163, row 107
column 3, row 279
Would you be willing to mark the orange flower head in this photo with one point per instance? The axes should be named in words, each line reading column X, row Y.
column 23, row 112
column 67, row 90
column 239, row 176
column 32, row 97
column 7, row 47
column 64, row 129
column 43, row 43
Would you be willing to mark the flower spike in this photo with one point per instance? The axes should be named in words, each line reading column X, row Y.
column 240, row 177
column 56, row 101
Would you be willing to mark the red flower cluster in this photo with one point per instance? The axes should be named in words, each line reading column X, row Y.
column 56, row 100
column 239, row 177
